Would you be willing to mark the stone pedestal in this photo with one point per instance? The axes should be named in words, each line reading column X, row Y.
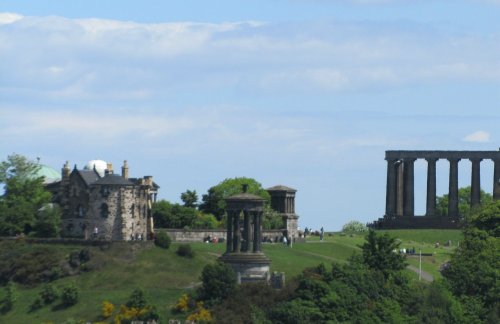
column 249, row 267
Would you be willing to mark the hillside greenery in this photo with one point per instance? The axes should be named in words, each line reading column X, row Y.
column 112, row 273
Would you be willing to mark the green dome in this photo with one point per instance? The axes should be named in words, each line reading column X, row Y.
column 50, row 174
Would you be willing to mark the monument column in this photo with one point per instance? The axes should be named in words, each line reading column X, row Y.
column 246, row 232
column 229, row 239
column 431, row 187
column 408, row 194
column 255, row 232
column 399, row 185
column 390, row 198
column 496, row 179
column 453, row 188
column 475, row 193
column 236, row 232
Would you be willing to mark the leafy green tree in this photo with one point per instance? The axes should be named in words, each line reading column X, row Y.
column 10, row 297
column 48, row 221
column 354, row 227
column 463, row 202
column 218, row 282
column 474, row 269
column 168, row 215
column 379, row 253
column 213, row 201
column 24, row 195
column 189, row 198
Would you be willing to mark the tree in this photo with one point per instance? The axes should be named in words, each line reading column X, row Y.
column 213, row 200
column 189, row 198
column 472, row 274
column 218, row 282
column 463, row 202
column 48, row 221
column 378, row 253
column 354, row 227
column 24, row 195
column 168, row 215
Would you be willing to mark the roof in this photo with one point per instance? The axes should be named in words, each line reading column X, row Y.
column 244, row 196
column 89, row 176
column 113, row 180
column 49, row 174
column 281, row 188
column 137, row 182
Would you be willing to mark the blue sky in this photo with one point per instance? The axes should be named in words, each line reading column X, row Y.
column 307, row 94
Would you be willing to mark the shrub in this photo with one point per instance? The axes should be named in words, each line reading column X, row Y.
column 354, row 227
column 9, row 299
column 218, row 282
column 182, row 304
column 137, row 299
column 69, row 295
column 185, row 250
column 37, row 304
column 107, row 309
column 163, row 240
column 48, row 294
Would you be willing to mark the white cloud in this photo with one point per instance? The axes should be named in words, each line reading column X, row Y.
column 94, row 59
column 8, row 18
column 479, row 137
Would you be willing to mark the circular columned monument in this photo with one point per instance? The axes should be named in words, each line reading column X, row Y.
column 244, row 237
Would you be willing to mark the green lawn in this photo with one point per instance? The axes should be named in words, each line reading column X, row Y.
column 165, row 276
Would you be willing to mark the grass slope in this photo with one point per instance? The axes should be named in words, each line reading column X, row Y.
column 165, row 276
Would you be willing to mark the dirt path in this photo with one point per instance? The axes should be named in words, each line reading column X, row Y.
column 425, row 275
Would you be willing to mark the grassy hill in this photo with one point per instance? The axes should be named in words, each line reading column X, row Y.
column 165, row 276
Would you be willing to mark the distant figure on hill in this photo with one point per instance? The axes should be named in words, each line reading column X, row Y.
column 321, row 234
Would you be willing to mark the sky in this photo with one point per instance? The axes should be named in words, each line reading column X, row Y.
column 307, row 94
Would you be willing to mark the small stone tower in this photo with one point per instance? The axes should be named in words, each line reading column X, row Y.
column 283, row 201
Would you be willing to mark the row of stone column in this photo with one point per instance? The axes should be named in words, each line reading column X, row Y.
column 404, row 168
column 239, row 241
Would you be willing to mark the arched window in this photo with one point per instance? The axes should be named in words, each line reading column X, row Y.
column 132, row 210
column 104, row 210
column 81, row 211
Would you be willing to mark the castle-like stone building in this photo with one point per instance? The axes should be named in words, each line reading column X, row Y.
column 97, row 203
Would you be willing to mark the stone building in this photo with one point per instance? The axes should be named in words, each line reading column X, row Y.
column 97, row 203
column 400, row 209
column 283, row 201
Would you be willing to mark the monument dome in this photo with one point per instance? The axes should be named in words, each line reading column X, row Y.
column 99, row 165
column 50, row 174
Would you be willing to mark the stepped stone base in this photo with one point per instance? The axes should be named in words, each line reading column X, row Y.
column 415, row 222
column 249, row 267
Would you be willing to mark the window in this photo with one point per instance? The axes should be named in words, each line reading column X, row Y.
column 105, row 191
column 104, row 210
column 81, row 211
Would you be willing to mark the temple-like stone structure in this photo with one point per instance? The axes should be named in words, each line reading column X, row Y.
column 283, row 201
column 399, row 211
column 244, row 237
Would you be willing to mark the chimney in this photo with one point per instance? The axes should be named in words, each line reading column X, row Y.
column 125, row 169
column 65, row 170
column 148, row 180
column 110, row 168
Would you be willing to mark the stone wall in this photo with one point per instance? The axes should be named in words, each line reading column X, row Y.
column 198, row 235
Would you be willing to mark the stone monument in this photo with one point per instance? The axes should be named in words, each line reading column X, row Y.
column 244, row 238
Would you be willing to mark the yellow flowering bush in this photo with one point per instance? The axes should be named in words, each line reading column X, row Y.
column 107, row 309
column 201, row 314
column 182, row 304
